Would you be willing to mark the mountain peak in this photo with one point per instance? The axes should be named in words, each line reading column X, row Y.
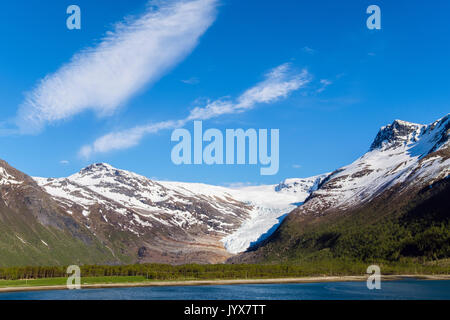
column 98, row 171
column 400, row 122
column 398, row 133
column 104, row 173
column 99, row 167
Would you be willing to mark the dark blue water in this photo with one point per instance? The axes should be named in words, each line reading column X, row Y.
column 404, row 289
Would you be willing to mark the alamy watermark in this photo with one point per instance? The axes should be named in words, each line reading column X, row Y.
column 73, row 22
column 374, row 20
column 374, row 279
column 231, row 150
column 74, row 280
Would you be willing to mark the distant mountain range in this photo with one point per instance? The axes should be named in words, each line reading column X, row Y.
column 106, row 215
column 123, row 217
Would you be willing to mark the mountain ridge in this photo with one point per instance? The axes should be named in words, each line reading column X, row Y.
column 128, row 218
column 223, row 220
column 400, row 172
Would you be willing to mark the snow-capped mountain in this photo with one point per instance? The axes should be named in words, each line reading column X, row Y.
column 392, row 202
column 36, row 231
column 143, row 201
column 170, row 218
column 403, row 153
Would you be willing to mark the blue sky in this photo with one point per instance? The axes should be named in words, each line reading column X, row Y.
column 358, row 80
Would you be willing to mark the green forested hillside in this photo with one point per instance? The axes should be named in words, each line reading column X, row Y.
column 389, row 228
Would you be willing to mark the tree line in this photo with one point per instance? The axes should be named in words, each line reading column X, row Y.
column 313, row 267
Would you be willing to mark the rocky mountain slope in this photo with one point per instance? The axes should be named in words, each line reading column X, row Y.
column 407, row 165
column 173, row 222
column 35, row 231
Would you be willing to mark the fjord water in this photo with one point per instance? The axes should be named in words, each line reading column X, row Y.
column 390, row 290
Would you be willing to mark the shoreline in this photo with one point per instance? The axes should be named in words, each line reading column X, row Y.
column 319, row 279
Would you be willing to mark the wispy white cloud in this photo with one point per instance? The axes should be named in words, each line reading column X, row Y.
column 64, row 162
column 137, row 53
column 126, row 138
column 296, row 166
column 325, row 83
column 308, row 50
column 278, row 84
column 191, row 81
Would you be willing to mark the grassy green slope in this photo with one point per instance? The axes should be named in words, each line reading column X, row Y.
column 22, row 243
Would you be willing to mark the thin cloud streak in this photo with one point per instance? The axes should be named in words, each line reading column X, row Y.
column 278, row 84
column 191, row 81
column 136, row 54
column 325, row 83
